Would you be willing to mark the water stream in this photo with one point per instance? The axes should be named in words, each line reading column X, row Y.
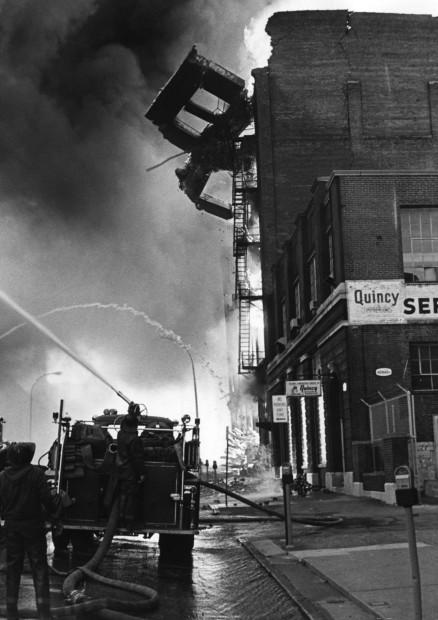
column 162, row 331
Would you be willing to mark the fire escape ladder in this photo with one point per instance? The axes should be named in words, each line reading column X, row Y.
column 244, row 333
column 240, row 215
column 243, row 238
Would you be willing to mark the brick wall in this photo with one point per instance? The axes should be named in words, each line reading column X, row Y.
column 369, row 211
column 332, row 97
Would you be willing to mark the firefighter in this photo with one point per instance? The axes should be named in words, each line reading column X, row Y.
column 130, row 466
column 25, row 501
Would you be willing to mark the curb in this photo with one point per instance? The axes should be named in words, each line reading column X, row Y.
column 354, row 599
column 305, row 605
column 316, row 596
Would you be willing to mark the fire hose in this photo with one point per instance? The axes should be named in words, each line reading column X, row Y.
column 107, row 608
column 269, row 511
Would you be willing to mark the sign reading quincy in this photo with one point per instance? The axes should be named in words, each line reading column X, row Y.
column 390, row 301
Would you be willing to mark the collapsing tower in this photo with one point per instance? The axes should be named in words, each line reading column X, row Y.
column 204, row 110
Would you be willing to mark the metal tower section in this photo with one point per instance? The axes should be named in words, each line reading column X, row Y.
column 246, row 250
column 205, row 110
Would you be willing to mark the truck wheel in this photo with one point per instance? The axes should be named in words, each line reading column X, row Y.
column 178, row 545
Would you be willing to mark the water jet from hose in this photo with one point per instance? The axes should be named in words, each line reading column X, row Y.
column 51, row 336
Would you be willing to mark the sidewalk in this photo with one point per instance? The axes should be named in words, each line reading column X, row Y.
column 357, row 570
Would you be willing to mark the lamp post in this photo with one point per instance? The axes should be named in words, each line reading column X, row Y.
column 194, row 381
column 45, row 374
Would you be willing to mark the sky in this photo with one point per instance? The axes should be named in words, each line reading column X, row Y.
column 110, row 257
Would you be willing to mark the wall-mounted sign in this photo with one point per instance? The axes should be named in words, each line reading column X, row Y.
column 304, row 388
column 390, row 301
column 383, row 372
column 279, row 408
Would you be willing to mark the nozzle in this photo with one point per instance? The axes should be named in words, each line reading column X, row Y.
column 125, row 398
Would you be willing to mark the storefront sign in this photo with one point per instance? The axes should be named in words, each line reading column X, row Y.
column 303, row 388
column 390, row 301
column 279, row 408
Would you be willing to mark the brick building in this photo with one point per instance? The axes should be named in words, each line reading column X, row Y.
column 354, row 92
column 356, row 308
column 341, row 91
column 351, row 92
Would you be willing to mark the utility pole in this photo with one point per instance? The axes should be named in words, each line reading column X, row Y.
column 2, row 421
column 226, row 467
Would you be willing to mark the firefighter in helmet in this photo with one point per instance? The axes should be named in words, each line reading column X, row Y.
column 26, row 500
column 130, row 465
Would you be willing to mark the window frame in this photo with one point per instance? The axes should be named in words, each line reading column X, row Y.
column 423, row 357
column 419, row 270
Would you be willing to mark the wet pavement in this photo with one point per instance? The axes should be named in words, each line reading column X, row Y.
column 241, row 567
column 359, row 569
column 222, row 580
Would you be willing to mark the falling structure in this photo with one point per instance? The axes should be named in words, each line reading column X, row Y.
column 204, row 109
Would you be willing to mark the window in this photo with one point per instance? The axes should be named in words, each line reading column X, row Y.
column 419, row 227
column 330, row 254
column 424, row 367
column 312, row 279
column 283, row 306
column 297, row 300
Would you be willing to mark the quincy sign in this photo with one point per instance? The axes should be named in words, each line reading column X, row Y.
column 390, row 301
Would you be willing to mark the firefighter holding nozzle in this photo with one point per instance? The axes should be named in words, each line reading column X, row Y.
column 26, row 502
column 130, row 465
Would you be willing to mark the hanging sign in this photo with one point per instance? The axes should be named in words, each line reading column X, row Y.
column 304, row 388
column 279, row 408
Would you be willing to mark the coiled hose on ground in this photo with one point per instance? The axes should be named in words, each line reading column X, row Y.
column 269, row 511
column 107, row 608
column 104, row 607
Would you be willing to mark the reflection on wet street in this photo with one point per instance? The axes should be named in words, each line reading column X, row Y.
column 221, row 581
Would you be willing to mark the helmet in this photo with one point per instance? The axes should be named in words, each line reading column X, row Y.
column 134, row 409
column 20, row 453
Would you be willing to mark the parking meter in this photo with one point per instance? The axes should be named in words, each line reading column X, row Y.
column 406, row 494
column 287, row 479
column 286, row 474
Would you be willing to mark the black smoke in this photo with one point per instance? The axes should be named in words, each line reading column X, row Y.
column 82, row 220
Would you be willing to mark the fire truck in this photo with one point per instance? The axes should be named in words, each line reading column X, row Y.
column 82, row 462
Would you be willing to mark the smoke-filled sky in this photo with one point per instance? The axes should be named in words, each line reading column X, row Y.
column 84, row 224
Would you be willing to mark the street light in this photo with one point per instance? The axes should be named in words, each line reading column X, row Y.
column 194, row 380
column 45, row 374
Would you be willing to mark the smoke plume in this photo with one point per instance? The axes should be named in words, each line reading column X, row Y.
column 84, row 223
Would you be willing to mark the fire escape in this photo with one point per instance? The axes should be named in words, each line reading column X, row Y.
column 246, row 248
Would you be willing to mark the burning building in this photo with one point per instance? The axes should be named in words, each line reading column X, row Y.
column 334, row 200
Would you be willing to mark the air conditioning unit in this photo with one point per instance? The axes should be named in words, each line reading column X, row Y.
column 313, row 305
column 295, row 323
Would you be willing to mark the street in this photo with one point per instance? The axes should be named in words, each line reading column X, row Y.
column 223, row 580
